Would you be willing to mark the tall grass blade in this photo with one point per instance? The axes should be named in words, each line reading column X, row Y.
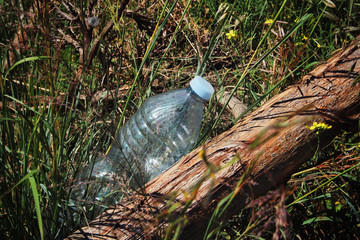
column 37, row 205
column 28, row 59
column 248, row 68
column 27, row 176
column 169, row 45
column 323, row 184
column 150, row 47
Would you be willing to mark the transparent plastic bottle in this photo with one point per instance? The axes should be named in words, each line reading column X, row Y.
column 163, row 130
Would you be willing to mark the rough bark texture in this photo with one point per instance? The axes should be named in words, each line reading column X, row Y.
column 269, row 143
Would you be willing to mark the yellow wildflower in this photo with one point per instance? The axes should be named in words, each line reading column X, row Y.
column 345, row 41
column 305, row 38
column 317, row 43
column 337, row 206
column 231, row 34
column 319, row 126
column 269, row 21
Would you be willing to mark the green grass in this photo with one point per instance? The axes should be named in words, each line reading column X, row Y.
column 51, row 128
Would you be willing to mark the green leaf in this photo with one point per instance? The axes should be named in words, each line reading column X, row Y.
column 329, row 3
column 317, row 219
column 329, row 204
column 310, row 65
column 22, row 103
column 21, row 180
column 29, row 59
column 330, row 15
column 37, row 206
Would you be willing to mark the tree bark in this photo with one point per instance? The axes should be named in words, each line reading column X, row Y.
column 260, row 152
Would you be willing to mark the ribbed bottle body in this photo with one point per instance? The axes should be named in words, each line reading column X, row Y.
column 163, row 129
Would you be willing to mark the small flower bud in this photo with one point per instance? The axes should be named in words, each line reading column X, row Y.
column 93, row 21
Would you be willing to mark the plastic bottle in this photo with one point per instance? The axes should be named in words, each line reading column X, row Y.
column 163, row 129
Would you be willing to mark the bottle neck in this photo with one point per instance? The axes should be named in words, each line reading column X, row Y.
column 189, row 90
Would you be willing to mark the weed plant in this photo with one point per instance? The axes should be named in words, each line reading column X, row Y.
column 68, row 84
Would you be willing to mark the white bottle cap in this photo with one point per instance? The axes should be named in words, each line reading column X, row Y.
column 202, row 87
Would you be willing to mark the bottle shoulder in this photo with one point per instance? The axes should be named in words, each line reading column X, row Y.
column 179, row 96
column 171, row 108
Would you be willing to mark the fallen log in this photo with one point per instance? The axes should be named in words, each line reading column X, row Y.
column 258, row 153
